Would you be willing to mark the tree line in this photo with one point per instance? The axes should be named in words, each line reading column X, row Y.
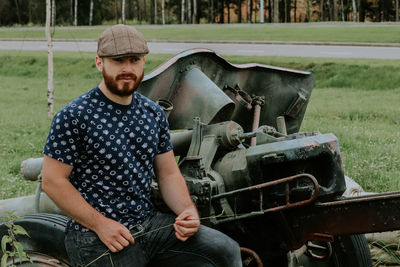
column 96, row 12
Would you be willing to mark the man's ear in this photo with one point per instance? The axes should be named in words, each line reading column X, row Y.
column 99, row 63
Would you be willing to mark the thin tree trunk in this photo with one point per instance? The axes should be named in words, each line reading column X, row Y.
column 221, row 10
column 50, row 87
column 286, row 8
column 189, row 11
column 18, row 13
column 76, row 13
column 248, row 11
column 240, row 11
column 123, row 11
column 322, row 10
column 335, row 10
column 308, row 11
column 397, row 10
column 251, row 11
column 139, row 14
column 116, row 12
column 209, row 11
column 144, row 11
column 53, row 13
column 261, row 11
column 130, row 10
column 163, row 11
column 212, row 11
column 29, row 11
column 276, row 11
column 229, row 11
column 270, row 11
column 341, row 3
column 72, row 12
column 91, row 13
column 155, row 11
column 295, row 11
column 182, row 11
column 330, row 14
column 354, row 11
column 194, row 11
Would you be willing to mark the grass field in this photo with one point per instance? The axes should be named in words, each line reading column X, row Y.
column 267, row 32
column 355, row 99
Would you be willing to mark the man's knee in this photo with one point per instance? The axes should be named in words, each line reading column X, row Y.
column 226, row 249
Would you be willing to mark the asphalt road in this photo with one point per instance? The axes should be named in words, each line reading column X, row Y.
column 243, row 49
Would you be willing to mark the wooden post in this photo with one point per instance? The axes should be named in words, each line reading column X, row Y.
column 50, row 87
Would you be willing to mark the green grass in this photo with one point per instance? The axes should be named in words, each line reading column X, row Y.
column 268, row 32
column 355, row 99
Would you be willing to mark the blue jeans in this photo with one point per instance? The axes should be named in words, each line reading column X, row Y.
column 208, row 247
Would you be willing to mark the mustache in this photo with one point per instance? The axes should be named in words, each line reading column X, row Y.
column 126, row 75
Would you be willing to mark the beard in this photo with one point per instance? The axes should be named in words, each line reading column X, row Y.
column 127, row 88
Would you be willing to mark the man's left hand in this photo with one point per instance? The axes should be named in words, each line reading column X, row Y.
column 187, row 224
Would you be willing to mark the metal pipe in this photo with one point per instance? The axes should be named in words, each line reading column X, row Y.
column 26, row 205
column 281, row 125
column 37, row 193
column 258, row 102
column 259, row 187
column 256, row 123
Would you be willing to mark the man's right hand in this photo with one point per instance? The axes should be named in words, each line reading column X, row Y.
column 113, row 234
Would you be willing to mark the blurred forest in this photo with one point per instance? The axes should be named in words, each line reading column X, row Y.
column 98, row 12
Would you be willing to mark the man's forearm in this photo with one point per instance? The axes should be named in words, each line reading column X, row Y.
column 175, row 193
column 69, row 200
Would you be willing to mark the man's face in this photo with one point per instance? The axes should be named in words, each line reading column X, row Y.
column 123, row 75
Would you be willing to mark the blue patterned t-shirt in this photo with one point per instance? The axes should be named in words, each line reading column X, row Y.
column 112, row 149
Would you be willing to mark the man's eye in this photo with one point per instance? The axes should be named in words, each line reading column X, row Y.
column 134, row 59
column 117, row 59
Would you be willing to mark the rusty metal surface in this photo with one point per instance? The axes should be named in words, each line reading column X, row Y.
column 39, row 260
column 250, row 257
column 258, row 102
column 311, row 183
column 374, row 213
column 194, row 82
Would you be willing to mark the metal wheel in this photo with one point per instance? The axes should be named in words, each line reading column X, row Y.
column 45, row 246
column 38, row 260
column 351, row 250
column 250, row 258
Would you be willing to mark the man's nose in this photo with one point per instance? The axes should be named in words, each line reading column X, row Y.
column 128, row 66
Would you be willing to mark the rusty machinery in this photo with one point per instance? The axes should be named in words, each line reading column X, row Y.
column 235, row 129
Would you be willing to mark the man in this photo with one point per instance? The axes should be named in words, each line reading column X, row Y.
column 100, row 156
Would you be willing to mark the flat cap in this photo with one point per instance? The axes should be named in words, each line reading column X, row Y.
column 121, row 40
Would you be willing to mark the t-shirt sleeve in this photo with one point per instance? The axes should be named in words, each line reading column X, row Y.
column 64, row 137
column 164, row 144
